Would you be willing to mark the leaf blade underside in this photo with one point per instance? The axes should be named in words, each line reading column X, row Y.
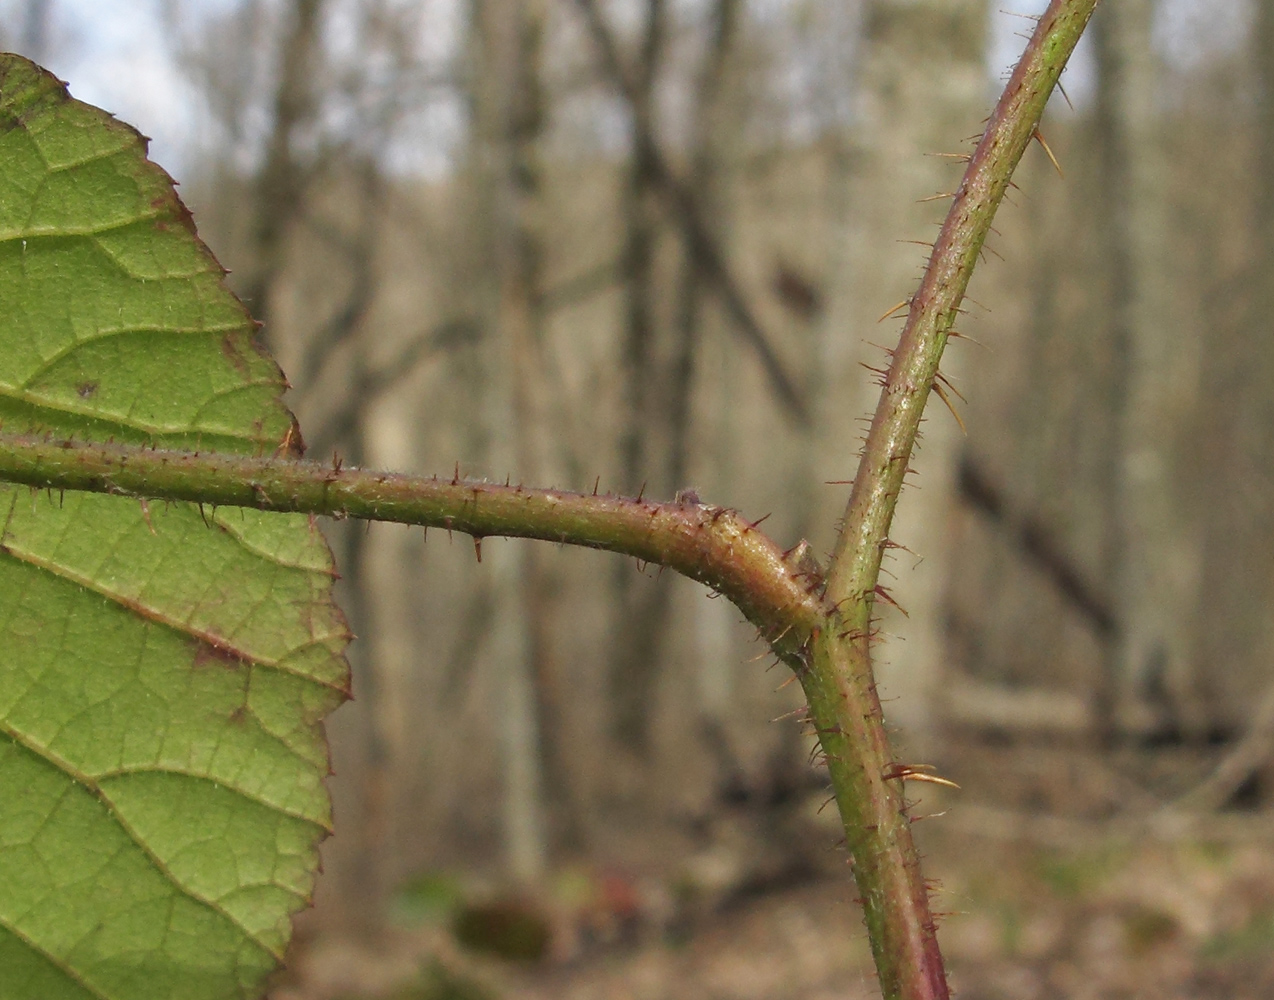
column 166, row 669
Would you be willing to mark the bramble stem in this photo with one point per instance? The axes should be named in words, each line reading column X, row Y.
column 822, row 632
column 840, row 686
column 714, row 545
column 856, row 560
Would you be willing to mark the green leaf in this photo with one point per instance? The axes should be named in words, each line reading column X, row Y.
column 166, row 669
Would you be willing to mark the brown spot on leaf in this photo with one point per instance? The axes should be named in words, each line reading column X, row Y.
column 232, row 350
column 86, row 390
column 208, row 654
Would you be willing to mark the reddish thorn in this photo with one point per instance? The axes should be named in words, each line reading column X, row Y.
column 145, row 512
column 888, row 598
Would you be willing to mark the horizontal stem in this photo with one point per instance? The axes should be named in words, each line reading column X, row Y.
column 825, row 638
column 713, row 545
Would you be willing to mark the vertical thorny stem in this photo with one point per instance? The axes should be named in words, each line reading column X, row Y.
column 825, row 637
column 839, row 682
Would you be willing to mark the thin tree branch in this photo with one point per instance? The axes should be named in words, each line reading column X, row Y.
column 375, row 382
column 1042, row 550
column 1251, row 753
column 687, row 215
column 582, row 286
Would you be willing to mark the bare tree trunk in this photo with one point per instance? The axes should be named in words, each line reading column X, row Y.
column 281, row 187
column 280, row 203
column 662, row 399
column 1154, row 549
column 526, row 315
column 634, row 657
column 835, row 37
column 652, row 183
column 714, row 620
column 1238, row 640
column 368, row 867
column 506, row 52
column 704, row 170
column 684, row 214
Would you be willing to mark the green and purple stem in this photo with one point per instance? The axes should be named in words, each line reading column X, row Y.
column 778, row 591
column 821, row 628
column 840, row 687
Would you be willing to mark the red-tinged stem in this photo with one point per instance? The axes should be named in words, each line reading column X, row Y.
column 714, row 545
column 840, row 685
column 823, row 636
column 855, row 564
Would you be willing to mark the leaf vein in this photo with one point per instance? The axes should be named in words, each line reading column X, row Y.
column 262, row 553
column 122, row 772
column 124, row 331
column 39, row 402
column 94, row 789
column 142, row 610
column 60, row 964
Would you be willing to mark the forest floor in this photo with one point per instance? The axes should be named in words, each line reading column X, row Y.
column 1039, row 906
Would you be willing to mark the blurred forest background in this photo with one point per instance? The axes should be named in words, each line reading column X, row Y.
column 643, row 246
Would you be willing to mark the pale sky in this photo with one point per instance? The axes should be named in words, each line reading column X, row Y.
column 1188, row 32
column 114, row 55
